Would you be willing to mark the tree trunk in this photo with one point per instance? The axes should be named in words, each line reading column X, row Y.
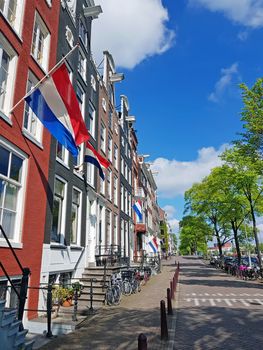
column 255, row 234
column 219, row 244
column 235, row 231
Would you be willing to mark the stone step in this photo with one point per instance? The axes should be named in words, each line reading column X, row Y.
column 8, row 317
column 20, row 337
column 13, row 329
column 29, row 345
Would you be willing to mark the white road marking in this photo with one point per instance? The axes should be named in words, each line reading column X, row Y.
column 196, row 302
column 220, row 294
column 193, row 293
column 245, row 294
column 244, row 302
column 228, row 302
column 259, row 301
column 218, row 300
column 203, row 300
column 258, row 295
column 233, row 294
column 212, row 302
column 206, row 294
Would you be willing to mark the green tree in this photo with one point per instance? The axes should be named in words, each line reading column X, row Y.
column 194, row 234
column 248, row 180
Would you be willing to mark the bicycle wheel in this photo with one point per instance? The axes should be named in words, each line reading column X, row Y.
column 126, row 288
column 116, row 295
column 109, row 296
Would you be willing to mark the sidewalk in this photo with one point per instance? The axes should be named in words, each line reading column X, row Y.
column 118, row 327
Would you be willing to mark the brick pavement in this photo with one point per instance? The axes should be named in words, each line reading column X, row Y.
column 216, row 310
column 118, row 327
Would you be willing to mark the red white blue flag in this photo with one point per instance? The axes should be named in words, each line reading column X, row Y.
column 154, row 245
column 93, row 157
column 137, row 207
column 55, row 103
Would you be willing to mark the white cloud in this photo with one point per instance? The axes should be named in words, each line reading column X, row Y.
column 246, row 12
column 175, row 177
column 170, row 211
column 243, row 35
column 227, row 75
column 173, row 222
column 131, row 30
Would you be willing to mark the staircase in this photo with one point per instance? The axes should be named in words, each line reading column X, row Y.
column 11, row 338
column 98, row 289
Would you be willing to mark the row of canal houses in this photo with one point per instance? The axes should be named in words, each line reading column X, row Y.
column 58, row 214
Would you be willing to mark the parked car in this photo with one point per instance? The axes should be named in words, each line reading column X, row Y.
column 214, row 259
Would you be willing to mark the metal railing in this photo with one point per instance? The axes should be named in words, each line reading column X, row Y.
column 110, row 255
column 22, row 294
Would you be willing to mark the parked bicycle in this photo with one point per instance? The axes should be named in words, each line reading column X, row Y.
column 114, row 291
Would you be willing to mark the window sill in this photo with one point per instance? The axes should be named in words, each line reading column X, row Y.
column 60, row 161
column 32, row 139
column 58, row 246
column 18, row 35
column 15, row 245
column 76, row 247
column 5, row 118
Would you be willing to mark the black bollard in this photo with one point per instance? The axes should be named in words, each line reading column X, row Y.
column 49, row 310
column 171, row 289
column 164, row 329
column 169, row 302
column 142, row 342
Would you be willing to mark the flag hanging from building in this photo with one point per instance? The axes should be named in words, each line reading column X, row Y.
column 93, row 157
column 137, row 207
column 154, row 245
column 55, row 103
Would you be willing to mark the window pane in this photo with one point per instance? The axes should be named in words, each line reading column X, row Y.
column 2, row 188
column 4, row 156
column 59, row 188
column 8, row 223
column 55, row 234
column 4, row 66
column 10, row 197
column 74, row 223
column 16, row 168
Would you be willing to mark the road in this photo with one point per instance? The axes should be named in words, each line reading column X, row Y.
column 216, row 310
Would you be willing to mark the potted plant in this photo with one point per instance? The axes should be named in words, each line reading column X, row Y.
column 61, row 296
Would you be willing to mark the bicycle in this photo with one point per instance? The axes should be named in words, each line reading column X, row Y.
column 113, row 292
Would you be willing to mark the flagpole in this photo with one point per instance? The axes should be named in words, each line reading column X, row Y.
column 45, row 77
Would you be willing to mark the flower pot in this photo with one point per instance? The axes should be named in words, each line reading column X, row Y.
column 67, row 303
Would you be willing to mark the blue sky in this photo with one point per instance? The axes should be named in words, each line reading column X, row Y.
column 183, row 61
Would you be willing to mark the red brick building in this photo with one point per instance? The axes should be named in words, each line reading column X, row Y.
column 28, row 42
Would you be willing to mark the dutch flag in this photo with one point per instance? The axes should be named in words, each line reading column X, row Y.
column 154, row 245
column 55, row 103
column 137, row 207
column 93, row 157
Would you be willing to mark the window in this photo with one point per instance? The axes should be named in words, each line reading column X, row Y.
column 110, row 148
column 83, row 33
column 115, row 236
column 8, row 294
column 90, row 174
column 12, row 10
column 102, row 186
column 8, row 60
column 125, row 201
column 104, row 104
column 110, row 118
column 59, row 203
column 40, row 43
column 129, row 205
column 115, row 185
column 125, row 170
column 108, row 228
column 103, row 138
column 82, row 62
column 122, row 198
column 91, row 120
column 75, row 217
column 62, row 153
column 32, row 124
column 116, row 156
column 72, row 7
column 12, row 178
column 109, row 184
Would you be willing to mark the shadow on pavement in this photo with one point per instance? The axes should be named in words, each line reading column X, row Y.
column 223, row 328
column 113, row 329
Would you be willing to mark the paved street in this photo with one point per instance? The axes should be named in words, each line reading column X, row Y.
column 117, row 328
column 217, row 311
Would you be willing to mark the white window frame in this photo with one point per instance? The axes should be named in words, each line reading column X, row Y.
column 32, row 118
column 42, row 59
column 63, row 212
column 11, row 75
column 79, row 216
column 109, row 184
column 65, row 155
column 90, row 174
column 103, row 138
column 115, row 231
column 15, row 21
column 116, row 156
column 91, row 128
column 102, row 186
column 21, row 193
column 82, row 65
column 110, row 147
column 115, row 194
